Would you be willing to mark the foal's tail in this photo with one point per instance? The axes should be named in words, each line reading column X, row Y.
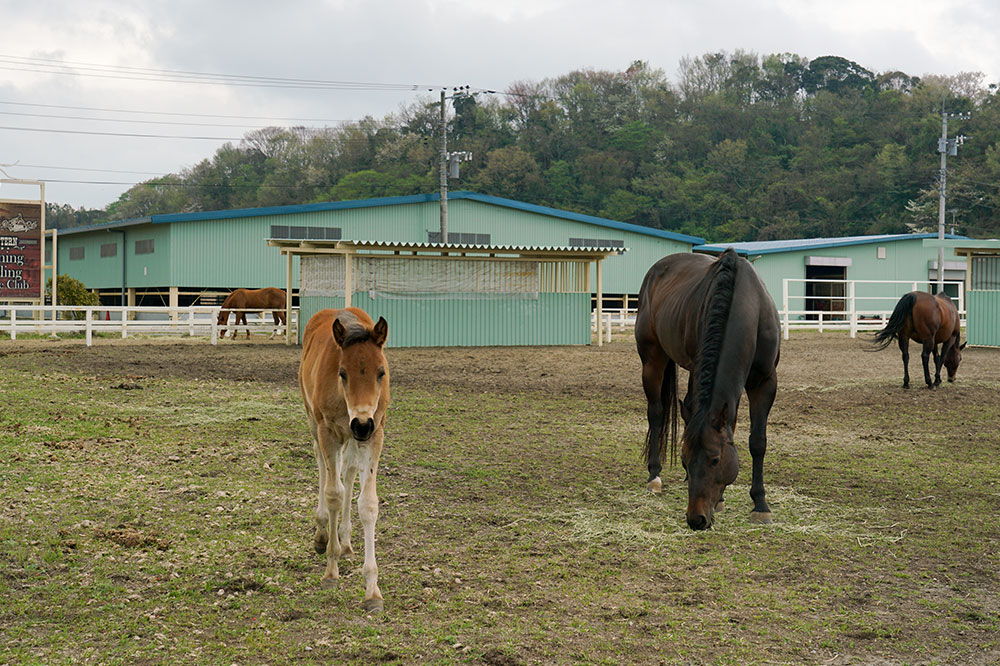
column 900, row 315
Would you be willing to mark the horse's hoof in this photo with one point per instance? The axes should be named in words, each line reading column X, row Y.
column 760, row 517
column 655, row 486
column 373, row 605
column 720, row 506
column 319, row 544
column 346, row 551
column 328, row 583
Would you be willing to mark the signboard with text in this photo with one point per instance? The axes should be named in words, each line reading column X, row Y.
column 20, row 250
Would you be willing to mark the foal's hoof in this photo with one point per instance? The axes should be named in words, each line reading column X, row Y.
column 328, row 583
column 319, row 544
column 760, row 517
column 346, row 551
column 655, row 486
column 373, row 605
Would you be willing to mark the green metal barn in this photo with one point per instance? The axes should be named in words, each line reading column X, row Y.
column 885, row 266
column 179, row 259
column 982, row 287
column 442, row 295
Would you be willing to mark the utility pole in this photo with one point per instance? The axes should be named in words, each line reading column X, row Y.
column 443, row 168
column 448, row 162
column 945, row 147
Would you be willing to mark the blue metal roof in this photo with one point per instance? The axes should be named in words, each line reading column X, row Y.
column 392, row 201
column 793, row 245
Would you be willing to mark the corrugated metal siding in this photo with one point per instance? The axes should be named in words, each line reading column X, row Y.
column 233, row 252
column 983, row 304
column 97, row 272
column 551, row 319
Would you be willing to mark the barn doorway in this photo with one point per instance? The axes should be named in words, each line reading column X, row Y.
column 826, row 297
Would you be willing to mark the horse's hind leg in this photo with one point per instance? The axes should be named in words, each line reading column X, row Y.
column 925, row 357
column 761, row 398
column 654, row 364
column 904, row 349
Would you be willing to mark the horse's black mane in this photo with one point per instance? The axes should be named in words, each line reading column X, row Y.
column 714, row 317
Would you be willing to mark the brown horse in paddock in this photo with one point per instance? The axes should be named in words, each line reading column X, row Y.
column 931, row 321
column 243, row 301
column 344, row 379
column 715, row 318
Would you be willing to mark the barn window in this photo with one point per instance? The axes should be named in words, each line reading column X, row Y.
column 305, row 233
column 881, row 253
column 595, row 242
column 76, row 253
column 144, row 246
column 460, row 238
column 109, row 250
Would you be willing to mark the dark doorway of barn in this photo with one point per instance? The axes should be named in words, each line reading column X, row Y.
column 826, row 297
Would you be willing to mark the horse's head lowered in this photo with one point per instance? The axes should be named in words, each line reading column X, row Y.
column 711, row 462
column 952, row 359
column 363, row 373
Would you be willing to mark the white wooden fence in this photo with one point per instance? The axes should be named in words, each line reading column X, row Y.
column 865, row 306
column 194, row 321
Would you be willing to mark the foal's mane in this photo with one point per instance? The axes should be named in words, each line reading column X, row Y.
column 354, row 331
column 714, row 317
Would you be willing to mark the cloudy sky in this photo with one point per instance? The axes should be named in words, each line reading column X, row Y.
column 77, row 78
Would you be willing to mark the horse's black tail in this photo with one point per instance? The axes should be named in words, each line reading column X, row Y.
column 668, row 429
column 900, row 315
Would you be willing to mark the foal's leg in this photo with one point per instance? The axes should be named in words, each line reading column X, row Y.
column 322, row 515
column 368, row 455
column 654, row 363
column 351, row 461
column 761, row 398
column 333, row 493
column 925, row 357
column 904, row 348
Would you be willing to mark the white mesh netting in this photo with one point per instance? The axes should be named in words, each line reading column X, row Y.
column 399, row 277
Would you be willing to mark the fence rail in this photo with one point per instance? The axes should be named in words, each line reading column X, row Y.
column 193, row 321
column 859, row 308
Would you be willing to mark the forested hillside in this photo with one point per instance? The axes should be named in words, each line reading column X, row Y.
column 737, row 147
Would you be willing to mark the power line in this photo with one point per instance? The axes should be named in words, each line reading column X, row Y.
column 176, row 113
column 123, row 120
column 144, row 136
column 64, row 168
column 70, row 68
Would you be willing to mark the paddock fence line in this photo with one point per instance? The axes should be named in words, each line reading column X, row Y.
column 192, row 321
column 623, row 318
column 850, row 305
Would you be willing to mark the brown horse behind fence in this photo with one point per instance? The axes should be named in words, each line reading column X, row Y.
column 344, row 379
column 931, row 321
column 242, row 301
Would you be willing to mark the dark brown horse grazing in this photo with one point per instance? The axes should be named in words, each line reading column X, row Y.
column 929, row 320
column 716, row 319
column 344, row 379
column 243, row 301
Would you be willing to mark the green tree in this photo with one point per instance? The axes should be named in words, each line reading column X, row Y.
column 70, row 291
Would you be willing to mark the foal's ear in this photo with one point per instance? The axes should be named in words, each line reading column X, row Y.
column 380, row 331
column 339, row 332
column 685, row 412
column 722, row 418
column 962, row 346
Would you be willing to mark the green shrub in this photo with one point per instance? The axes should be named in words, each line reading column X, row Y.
column 71, row 291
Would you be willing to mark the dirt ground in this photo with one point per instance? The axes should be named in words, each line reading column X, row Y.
column 808, row 359
column 833, row 393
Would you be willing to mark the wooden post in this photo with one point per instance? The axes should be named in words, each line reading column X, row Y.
column 348, row 279
column 600, row 296
column 288, row 298
column 174, row 300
